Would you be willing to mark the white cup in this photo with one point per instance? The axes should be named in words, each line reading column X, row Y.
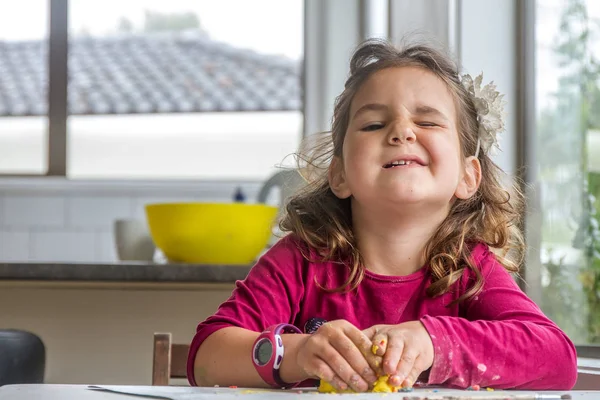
column 133, row 241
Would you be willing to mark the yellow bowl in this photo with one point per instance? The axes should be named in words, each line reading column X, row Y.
column 211, row 233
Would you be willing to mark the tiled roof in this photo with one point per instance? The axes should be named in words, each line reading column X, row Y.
column 149, row 74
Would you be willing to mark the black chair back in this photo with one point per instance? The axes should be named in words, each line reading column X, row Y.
column 22, row 357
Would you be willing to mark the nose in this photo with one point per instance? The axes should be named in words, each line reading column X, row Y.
column 401, row 133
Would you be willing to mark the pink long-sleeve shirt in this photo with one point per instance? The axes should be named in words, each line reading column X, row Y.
column 499, row 338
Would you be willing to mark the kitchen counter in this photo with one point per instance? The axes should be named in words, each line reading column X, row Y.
column 114, row 274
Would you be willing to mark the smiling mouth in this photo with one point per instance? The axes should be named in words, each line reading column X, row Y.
column 401, row 163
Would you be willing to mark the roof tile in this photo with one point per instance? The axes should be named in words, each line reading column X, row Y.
column 150, row 74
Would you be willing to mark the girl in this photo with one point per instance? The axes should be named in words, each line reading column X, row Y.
column 404, row 246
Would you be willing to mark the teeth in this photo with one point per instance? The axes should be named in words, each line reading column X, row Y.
column 402, row 162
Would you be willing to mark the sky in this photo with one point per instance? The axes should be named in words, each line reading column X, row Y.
column 268, row 26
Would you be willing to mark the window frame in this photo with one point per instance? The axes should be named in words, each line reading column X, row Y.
column 526, row 149
column 57, row 93
column 58, row 49
column 58, row 113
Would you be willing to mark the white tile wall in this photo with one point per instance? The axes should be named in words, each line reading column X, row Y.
column 99, row 211
column 62, row 245
column 33, row 211
column 105, row 247
column 66, row 224
column 14, row 245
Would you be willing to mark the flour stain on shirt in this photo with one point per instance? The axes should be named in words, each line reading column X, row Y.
column 482, row 368
column 441, row 361
column 450, row 355
column 438, row 351
column 496, row 377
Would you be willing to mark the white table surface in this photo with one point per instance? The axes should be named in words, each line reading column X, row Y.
column 83, row 392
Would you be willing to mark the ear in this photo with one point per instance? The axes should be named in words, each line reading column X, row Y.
column 337, row 178
column 470, row 180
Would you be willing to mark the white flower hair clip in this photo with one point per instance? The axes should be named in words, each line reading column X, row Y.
column 489, row 104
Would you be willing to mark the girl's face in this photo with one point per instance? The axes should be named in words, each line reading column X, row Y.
column 402, row 144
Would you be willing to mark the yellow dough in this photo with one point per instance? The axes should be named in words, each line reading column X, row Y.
column 325, row 387
column 380, row 386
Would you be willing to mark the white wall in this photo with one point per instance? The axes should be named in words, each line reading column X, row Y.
column 488, row 41
column 104, row 336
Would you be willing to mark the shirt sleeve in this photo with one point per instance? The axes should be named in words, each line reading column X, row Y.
column 503, row 341
column 271, row 293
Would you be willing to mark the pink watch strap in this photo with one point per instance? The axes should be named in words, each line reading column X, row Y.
column 270, row 339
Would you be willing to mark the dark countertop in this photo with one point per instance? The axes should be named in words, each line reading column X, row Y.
column 121, row 272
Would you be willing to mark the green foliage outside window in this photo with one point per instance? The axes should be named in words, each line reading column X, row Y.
column 571, row 295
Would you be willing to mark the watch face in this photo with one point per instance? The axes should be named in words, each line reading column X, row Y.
column 263, row 351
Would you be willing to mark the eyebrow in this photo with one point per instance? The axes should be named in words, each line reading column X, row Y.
column 370, row 107
column 421, row 110
column 427, row 110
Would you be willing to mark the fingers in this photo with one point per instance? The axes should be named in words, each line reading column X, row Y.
column 406, row 348
column 377, row 345
column 324, row 372
column 364, row 345
column 344, row 370
column 357, row 362
column 339, row 348
column 414, row 373
column 393, row 352
column 407, row 362
column 370, row 332
column 380, row 342
column 358, row 338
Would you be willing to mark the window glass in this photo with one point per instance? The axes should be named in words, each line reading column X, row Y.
column 23, row 86
column 568, row 142
column 183, row 88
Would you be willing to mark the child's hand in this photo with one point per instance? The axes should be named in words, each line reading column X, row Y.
column 340, row 354
column 406, row 348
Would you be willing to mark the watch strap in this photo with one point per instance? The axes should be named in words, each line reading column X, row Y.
column 271, row 375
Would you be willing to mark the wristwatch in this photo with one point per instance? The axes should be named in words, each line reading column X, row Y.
column 267, row 354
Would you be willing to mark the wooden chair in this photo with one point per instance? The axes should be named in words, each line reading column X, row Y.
column 169, row 361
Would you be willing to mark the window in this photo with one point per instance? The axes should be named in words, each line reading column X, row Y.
column 164, row 89
column 184, row 88
column 568, row 143
column 23, row 86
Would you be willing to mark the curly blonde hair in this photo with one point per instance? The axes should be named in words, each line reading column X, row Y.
column 491, row 216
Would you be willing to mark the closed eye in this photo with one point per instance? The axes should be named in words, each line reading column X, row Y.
column 372, row 127
column 427, row 124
